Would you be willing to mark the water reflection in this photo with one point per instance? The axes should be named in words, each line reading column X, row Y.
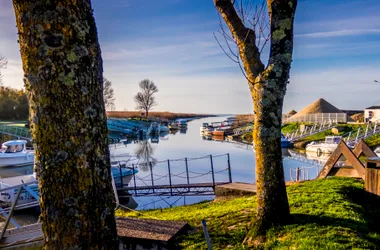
column 145, row 152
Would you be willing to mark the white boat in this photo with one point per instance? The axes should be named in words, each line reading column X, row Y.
column 15, row 153
column 377, row 151
column 326, row 147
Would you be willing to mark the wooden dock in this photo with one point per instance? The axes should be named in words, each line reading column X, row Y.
column 133, row 233
column 235, row 189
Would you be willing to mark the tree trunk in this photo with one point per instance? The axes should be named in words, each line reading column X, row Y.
column 63, row 77
column 268, row 87
column 146, row 113
column 272, row 201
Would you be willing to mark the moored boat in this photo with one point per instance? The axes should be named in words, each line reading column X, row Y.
column 326, row 147
column 182, row 123
column 121, row 176
column 285, row 143
column 14, row 153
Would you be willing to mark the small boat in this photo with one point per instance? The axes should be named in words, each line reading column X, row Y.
column 173, row 126
column 14, row 153
column 285, row 143
column 121, row 176
column 204, row 127
column 326, row 147
column 182, row 123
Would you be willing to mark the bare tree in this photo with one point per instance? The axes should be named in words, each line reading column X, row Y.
column 63, row 77
column 108, row 95
column 145, row 99
column 247, row 22
column 3, row 65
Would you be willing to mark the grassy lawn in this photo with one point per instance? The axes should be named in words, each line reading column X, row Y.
column 333, row 213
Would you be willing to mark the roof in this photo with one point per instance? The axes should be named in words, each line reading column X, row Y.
column 15, row 142
column 291, row 112
column 319, row 106
column 373, row 107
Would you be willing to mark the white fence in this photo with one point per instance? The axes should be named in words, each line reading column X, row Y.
column 318, row 118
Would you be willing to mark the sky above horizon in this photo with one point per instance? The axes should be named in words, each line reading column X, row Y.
column 171, row 42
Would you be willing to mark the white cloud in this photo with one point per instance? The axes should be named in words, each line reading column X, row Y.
column 337, row 33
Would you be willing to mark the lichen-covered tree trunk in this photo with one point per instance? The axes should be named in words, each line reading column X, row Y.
column 267, row 86
column 63, row 77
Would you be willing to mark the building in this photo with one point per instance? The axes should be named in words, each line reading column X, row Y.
column 372, row 114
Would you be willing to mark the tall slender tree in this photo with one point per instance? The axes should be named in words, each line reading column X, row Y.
column 63, row 76
column 267, row 85
column 108, row 95
column 3, row 65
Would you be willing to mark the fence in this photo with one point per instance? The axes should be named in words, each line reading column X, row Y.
column 317, row 118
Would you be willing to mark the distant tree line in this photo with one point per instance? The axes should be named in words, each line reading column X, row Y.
column 13, row 104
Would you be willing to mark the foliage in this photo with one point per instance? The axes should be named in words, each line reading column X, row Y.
column 13, row 104
column 3, row 65
column 333, row 213
column 145, row 99
column 108, row 95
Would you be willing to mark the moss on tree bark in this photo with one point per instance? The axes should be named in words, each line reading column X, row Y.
column 63, row 71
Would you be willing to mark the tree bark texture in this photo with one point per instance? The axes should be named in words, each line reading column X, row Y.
column 267, row 86
column 63, row 71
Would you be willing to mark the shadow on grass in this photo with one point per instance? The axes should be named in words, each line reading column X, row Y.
column 368, row 209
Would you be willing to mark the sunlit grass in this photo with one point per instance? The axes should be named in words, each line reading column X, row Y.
column 326, row 214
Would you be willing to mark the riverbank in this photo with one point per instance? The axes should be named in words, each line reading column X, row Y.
column 344, row 129
column 161, row 115
column 339, row 215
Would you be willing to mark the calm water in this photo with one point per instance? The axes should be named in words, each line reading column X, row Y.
column 176, row 147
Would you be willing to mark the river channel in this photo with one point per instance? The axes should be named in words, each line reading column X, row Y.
column 188, row 144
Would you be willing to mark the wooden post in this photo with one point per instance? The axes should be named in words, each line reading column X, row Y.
column 372, row 177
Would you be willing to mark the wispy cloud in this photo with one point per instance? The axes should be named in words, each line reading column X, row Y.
column 337, row 33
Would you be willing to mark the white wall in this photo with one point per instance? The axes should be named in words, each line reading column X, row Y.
column 375, row 115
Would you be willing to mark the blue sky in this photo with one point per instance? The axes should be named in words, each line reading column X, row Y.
column 336, row 54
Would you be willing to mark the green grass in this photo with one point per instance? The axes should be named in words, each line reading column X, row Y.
column 326, row 214
column 373, row 140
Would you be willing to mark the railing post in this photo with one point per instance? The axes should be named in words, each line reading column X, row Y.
column 134, row 177
column 10, row 212
column 151, row 175
column 121, row 175
column 212, row 171
column 170, row 179
column 297, row 174
column 229, row 168
column 187, row 172
column 366, row 130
